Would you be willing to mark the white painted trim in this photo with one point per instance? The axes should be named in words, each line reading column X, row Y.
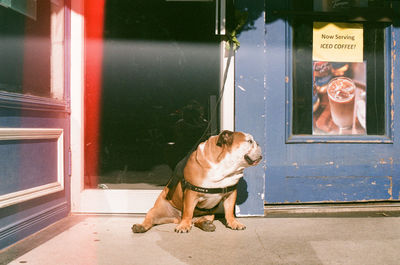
column 227, row 106
column 39, row 191
column 77, row 93
column 29, row 133
column 117, row 201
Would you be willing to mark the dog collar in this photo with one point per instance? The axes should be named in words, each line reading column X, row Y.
column 187, row 185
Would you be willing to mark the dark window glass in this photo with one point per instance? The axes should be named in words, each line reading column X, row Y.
column 32, row 47
column 158, row 66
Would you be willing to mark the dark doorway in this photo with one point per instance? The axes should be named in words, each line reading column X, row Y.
column 160, row 81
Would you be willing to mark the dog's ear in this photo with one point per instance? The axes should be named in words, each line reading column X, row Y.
column 225, row 137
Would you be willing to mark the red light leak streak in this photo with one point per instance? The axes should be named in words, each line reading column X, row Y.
column 94, row 25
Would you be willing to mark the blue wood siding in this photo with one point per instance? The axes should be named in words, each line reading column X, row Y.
column 250, row 105
column 317, row 169
column 301, row 169
column 336, row 189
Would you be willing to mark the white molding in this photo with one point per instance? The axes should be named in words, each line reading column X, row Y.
column 117, row 201
column 7, row 134
column 227, row 106
column 29, row 133
column 77, row 108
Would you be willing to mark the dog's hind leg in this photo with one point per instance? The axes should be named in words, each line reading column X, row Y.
column 162, row 213
column 205, row 223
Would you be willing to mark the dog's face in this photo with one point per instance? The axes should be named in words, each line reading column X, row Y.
column 243, row 146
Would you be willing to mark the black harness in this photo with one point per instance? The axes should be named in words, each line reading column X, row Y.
column 177, row 177
column 187, row 185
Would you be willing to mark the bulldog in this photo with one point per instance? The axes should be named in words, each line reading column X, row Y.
column 207, row 177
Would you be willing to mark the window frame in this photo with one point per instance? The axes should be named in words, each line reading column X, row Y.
column 56, row 98
column 386, row 138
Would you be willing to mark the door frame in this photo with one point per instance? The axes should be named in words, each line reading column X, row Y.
column 115, row 201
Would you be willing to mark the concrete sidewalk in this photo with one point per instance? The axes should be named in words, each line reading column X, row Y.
column 372, row 238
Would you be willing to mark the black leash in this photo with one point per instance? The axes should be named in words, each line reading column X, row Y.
column 230, row 55
column 177, row 175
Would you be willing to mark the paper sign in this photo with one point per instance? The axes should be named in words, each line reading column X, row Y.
column 338, row 42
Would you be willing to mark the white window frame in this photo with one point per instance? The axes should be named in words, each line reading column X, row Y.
column 114, row 201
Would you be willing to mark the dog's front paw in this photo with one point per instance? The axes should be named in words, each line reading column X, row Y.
column 183, row 227
column 137, row 228
column 235, row 225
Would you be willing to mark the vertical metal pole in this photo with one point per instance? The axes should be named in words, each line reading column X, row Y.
column 217, row 18
column 220, row 17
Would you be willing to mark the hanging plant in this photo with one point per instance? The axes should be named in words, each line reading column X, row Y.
column 238, row 23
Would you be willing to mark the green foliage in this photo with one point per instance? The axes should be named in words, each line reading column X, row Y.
column 239, row 21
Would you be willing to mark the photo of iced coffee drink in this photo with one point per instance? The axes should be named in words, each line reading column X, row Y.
column 341, row 94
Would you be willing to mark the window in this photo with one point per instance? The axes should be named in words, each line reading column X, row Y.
column 313, row 112
column 32, row 47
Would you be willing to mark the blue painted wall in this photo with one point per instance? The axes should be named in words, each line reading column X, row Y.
column 313, row 169
column 304, row 170
column 250, row 104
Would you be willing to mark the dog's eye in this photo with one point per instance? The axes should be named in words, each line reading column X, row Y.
column 250, row 141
